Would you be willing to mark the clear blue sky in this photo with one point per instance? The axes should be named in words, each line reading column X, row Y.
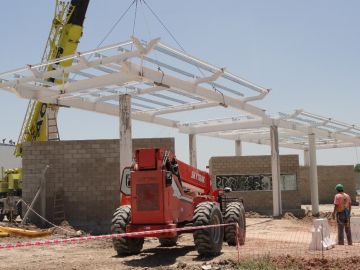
column 307, row 52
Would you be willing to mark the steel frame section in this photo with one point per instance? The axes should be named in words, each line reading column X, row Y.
column 104, row 74
column 98, row 77
column 293, row 130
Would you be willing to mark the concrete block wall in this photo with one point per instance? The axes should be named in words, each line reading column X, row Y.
column 259, row 201
column 87, row 172
column 251, row 164
column 328, row 177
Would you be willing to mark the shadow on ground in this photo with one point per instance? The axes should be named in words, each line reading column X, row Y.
column 203, row 258
column 159, row 256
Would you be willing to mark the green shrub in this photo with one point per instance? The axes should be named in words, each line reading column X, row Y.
column 357, row 168
column 265, row 263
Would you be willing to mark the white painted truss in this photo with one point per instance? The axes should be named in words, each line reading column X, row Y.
column 164, row 81
column 97, row 78
column 293, row 130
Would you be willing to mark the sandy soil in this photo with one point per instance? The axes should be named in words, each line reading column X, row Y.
column 286, row 240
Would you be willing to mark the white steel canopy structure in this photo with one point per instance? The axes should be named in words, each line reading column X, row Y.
column 293, row 130
column 98, row 77
column 299, row 130
column 152, row 82
column 134, row 80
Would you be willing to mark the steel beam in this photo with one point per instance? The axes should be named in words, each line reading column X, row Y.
column 188, row 128
column 206, row 66
column 188, row 86
column 306, row 129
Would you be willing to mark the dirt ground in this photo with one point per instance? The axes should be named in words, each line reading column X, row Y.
column 285, row 241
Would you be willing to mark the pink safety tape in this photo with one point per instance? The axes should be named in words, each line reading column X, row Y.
column 109, row 236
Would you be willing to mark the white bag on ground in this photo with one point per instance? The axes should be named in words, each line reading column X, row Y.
column 320, row 239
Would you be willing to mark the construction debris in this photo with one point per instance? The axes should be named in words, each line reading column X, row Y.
column 4, row 234
column 67, row 230
column 27, row 233
column 252, row 214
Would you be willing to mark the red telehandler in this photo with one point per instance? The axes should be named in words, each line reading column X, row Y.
column 161, row 192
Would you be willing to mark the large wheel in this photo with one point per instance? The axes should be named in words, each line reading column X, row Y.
column 208, row 242
column 124, row 245
column 235, row 213
column 2, row 217
column 168, row 241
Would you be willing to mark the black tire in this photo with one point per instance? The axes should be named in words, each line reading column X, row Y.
column 208, row 242
column 235, row 213
column 124, row 245
column 2, row 217
column 168, row 241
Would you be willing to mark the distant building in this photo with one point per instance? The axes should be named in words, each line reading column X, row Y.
column 7, row 157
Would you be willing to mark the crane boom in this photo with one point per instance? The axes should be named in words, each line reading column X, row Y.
column 65, row 33
column 40, row 119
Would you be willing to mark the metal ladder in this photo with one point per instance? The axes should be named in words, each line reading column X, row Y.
column 59, row 209
column 52, row 127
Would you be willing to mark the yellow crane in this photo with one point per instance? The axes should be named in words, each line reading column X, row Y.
column 40, row 119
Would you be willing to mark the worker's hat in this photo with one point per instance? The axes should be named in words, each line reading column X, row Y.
column 339, row 187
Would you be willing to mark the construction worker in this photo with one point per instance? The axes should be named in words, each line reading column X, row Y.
column 342, row 209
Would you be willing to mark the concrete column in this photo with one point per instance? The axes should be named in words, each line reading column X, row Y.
column 275, row 170
column 125, row 132
column 238, row 148
column 306, row 157
column 313, row 177
column 192, row 150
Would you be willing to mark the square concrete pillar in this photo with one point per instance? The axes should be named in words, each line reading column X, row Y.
column 238, row 148
column 275, row 171
column 313, row 177
column 125, row 132
column 192, row 150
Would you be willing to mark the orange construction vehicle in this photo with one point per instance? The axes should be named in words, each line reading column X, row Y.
column 161, row 192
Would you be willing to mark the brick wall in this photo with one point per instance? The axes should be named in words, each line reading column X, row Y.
column 328, row 177
column 87, row 172
column 259, row 201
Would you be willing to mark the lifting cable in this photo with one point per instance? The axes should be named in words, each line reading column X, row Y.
column 112, row 28
column 180, row 46
column 164, row 26
column 116, row 23
column 134, row 22
column 146, row 22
